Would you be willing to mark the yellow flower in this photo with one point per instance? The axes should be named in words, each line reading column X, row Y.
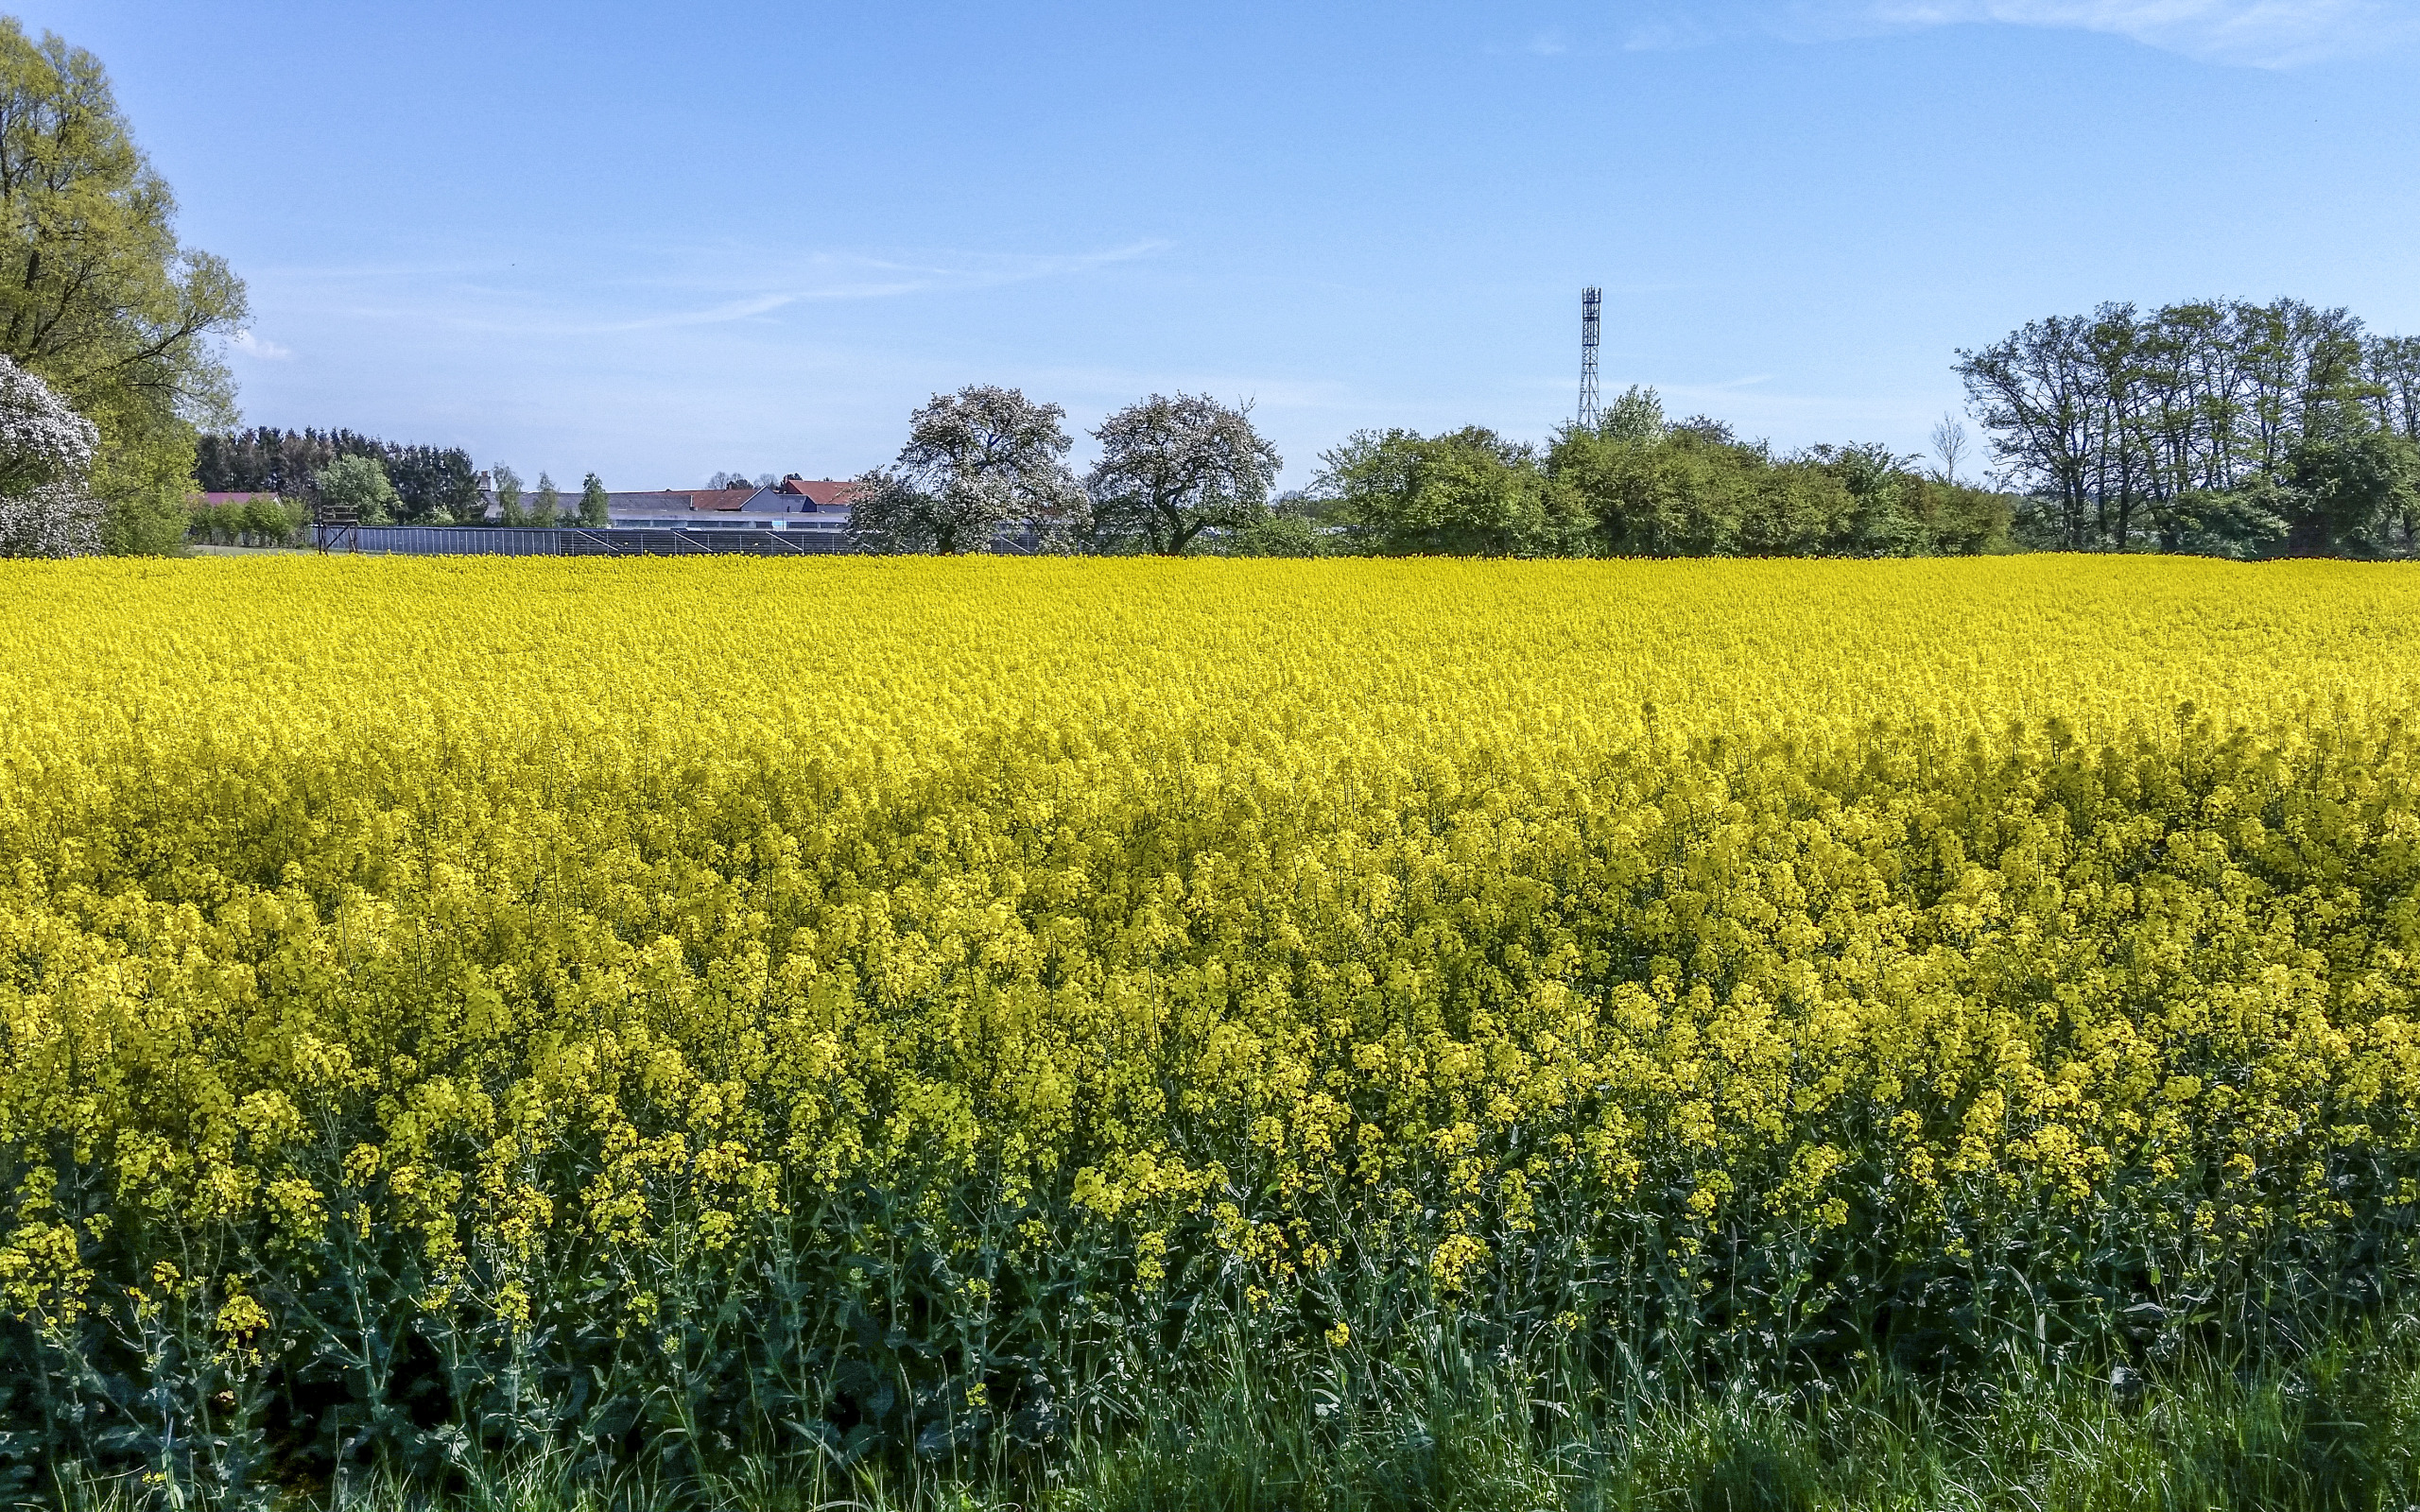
column 1213, row 923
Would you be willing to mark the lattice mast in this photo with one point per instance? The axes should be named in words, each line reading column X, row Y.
column 1590, row 301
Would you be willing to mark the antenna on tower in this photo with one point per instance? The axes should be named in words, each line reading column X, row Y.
column 1590, row 299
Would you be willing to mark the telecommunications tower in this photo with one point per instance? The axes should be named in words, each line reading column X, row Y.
column 1589, row 302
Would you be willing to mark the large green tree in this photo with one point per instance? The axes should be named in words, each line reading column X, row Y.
column 1694, row 492
column 2346, row 487
column 360, row 484
column 96, row 295
column 1466, row 493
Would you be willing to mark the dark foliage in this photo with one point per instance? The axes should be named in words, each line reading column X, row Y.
column 430, row 480
column 2218, row 427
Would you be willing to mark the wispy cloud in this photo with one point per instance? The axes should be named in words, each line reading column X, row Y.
column 703, row 286
column 718, row 315
column 253, row 344
column 2256, row 33
column 2263, row 33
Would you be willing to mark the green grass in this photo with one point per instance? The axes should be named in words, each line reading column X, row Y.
column 2337, row 1429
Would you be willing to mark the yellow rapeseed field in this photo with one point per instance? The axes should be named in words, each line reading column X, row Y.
column 908, row 989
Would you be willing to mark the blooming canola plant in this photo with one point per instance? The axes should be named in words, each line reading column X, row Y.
column 890, row 1002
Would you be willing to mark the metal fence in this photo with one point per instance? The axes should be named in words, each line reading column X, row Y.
column 461, row 541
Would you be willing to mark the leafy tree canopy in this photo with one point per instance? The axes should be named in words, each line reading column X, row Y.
column 1470, row 492
column 2209, row 426
column 360, row 483
column 96, row 295
column 508, row 497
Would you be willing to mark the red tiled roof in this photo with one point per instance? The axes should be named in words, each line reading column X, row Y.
column 824, row 492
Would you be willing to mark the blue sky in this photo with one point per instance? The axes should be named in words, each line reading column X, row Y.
column 658, row 241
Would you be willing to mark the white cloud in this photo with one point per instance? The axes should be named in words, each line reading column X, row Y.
column 652, row 363
column 2263, row 33
column 699, row 286
column 253, row 344
column 2258, row 33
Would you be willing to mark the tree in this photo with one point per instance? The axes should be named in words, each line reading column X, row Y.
column 2346, row 487
column 435, row 485
column 1950, row 445
column 45, row 452
column 1467, row 493
column 594, row 506
column 2208, row 425
column 1296, row 524
column 1692, row 493
column 1173, row 468
column 1276, row 533
column 1957, row 519
column 264, row 459
column 549, row 506
column 1880, row 523
column 2242, row 522
column 976, row 462
column 97, row 296
column 508, row 497
column 267, row 521
column 2392, row 376
column 1636, row 414
column 2034, row 394
column 358, row 483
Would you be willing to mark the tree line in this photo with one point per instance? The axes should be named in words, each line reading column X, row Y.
column 2214, row 426
column 387, row 483
column 1185, row 474
column 544, row 505
column 2211, row 426
column 428, row 485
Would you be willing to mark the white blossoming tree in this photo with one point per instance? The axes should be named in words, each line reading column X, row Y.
column 1173, row 468
column 976, row 462
column 45, row 452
